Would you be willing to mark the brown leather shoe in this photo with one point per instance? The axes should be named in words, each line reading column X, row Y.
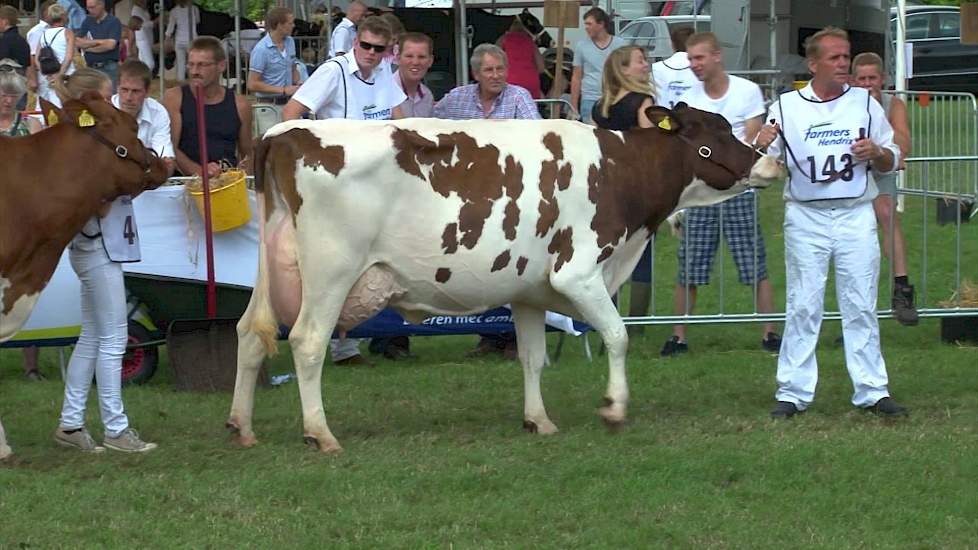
column 354, row 361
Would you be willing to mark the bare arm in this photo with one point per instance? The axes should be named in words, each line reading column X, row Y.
column 576, row 76
column 293, row 110
column 256, row 84
column 752, row 127
column 643, row 120
column 397, row 113
column 245, row 142
column 172, row 100
column 100, row 45
column 69, row 51
column 901, row 127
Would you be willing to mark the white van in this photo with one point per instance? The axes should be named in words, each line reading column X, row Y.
column 652, row 33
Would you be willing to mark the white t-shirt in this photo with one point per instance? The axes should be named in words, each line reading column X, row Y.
column 742, row 102
column 336, row 90
column 672, row 78
column 34, row 36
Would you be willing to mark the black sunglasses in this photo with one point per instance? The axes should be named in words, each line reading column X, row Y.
column 379, row 48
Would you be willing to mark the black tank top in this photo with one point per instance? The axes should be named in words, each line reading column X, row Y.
column 222, row 128
column 623, row 115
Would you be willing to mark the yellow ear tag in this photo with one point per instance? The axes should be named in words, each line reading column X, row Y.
column 665, row 124
column 52, row 118
column 86, row 120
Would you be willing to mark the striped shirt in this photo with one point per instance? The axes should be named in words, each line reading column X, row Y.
column 463, row 103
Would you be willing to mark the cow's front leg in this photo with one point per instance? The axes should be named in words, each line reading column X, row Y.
column 531, row 339
column 5, row 449
column 593, row 302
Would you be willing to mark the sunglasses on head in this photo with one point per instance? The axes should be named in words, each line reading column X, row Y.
column 379, row 48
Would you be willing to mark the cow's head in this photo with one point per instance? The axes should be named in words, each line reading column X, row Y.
column 722, row 165
column 717, row 157
column 133, row 168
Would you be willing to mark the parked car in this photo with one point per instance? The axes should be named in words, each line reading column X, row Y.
column 652, row 33
column 940, row 61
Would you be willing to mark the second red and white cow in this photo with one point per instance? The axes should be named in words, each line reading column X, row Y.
column 436, row 217
column 51, row 183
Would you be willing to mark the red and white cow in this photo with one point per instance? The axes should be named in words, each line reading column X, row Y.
column 51, row 183
column 437, row 217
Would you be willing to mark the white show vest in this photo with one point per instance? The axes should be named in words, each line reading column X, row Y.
column 367, row 100
column 119, row 235
column 818, row 139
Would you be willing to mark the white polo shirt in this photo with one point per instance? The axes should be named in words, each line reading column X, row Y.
column 154, row 126
column 337, row 90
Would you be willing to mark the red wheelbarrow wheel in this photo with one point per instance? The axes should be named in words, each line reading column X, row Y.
column 139, row 364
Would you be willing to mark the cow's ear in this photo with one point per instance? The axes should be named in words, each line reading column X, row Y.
column 80, row 112
column 53, row 114
column 663, row 119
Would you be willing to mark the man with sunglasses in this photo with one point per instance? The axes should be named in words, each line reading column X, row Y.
column 357, row 85
column 831, row 136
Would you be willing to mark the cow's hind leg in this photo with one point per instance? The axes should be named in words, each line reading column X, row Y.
column 593, row 302
column 532, row 343
column 5, row 449
column 251, row 353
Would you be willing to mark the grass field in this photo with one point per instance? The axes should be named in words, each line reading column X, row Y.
column 435, row 457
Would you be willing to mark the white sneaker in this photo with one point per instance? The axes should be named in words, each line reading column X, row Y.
column 128, row 442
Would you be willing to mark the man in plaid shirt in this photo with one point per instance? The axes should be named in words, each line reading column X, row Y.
column 490, row 96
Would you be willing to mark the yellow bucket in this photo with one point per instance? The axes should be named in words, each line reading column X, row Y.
column 229, row 201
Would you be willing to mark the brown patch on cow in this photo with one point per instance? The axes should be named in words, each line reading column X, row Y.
column 277, row 155
column 476, row 177
column 553, row 175
column 310, row 149
column 636, row 184
column 442, row 274
column 562, row 245
column 521, row 264
column 500, row 262
column 513, row 184
column 449, row 239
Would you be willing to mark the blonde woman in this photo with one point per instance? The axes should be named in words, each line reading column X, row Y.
column 60, row 38
column 96, row 255
column 626, row 91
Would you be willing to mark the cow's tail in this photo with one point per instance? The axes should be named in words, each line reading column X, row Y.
column 261, row 319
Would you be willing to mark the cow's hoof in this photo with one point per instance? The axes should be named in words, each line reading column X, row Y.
column 5, row 452
column 325, row 447
column 614, row 418
column 543, row 427
column 245, row 440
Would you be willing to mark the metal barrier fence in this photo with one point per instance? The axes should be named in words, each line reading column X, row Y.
column 941, row 255
column 943, row 165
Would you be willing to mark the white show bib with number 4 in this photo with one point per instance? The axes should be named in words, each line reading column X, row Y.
column 119, row 235
column 820, row 135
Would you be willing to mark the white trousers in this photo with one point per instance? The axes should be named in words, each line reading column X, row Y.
column 813, row 237
column 103, row 338
column 181, row 60
column 340, row 349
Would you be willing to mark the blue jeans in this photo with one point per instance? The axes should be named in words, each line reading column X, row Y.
column 587, row 105
column 111, row 68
